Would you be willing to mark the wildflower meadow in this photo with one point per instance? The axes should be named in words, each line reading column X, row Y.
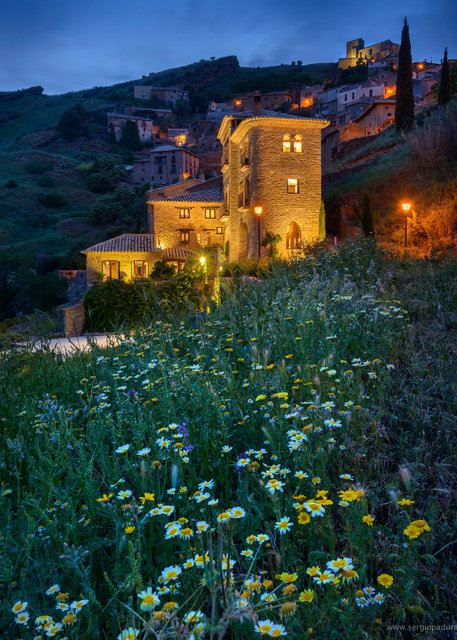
column 279, row 464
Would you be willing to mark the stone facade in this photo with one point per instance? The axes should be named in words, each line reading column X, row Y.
column 357, row 51
column 116, row 122
column 187, row 221
column 97, row 260
column 169, row 95
column 273, row 162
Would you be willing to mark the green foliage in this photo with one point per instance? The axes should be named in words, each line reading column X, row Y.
column 45, row 181
column 53, row 201
column 103, row 173
column 130, row 138
column 112, row 135
column 322, row 232
column 404, row 111
column 162, row 270
column 73, row 123
column 116, row 304
column 38, row 167
column 271, row 240
column 367, row 216
column 11, row 184
column 444, row 94
column 123, row 206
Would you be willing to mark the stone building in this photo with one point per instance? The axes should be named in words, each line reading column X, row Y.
column 376, row 116
column 168, row 95
column 116, row 122
column 270, row 161
column 356, row 51
column 166, row 164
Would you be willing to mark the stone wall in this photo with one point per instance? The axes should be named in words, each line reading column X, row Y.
column 165, row 222
column 95, row 261
column 70, row 319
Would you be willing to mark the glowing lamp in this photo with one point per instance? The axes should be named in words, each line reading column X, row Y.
column 258, row 211
column 202, row 261
column 406, row 206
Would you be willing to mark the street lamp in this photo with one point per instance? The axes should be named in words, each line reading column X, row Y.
column 258, row 212
column 406, row 206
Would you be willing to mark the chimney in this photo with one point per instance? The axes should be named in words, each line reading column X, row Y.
column 257, row 105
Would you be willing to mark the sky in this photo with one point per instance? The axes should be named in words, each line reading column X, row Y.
column 68, row 45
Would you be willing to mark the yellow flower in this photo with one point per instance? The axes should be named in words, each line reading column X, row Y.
column 69, row 618
column 368, row 520
column 148, row 497
column 260, row 397
column 287, row 591
column 405, row 502
column 288, row 577
column 303, row 518
column 306, row 596
column 288, row 609
column 105, row 498
column 130, row 528
column 385, row 580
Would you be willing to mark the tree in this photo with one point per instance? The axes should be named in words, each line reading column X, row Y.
column 73, row 123
column 444, row 94
column 322, row 232
column 404, row 111
column 130, row 138
column 367, row 216
column 271, row 240
column 112, row 135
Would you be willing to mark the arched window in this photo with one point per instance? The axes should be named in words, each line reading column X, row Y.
column 293, row 236
column 286, row 146
column 298, row 144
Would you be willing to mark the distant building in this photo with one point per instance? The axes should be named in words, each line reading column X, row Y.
column 354, row 93
column 168, row 95
column 152, row 112
column 116, row 123
column 376, row 116
column 356, row 51
column 178, row 136
column 166, row 164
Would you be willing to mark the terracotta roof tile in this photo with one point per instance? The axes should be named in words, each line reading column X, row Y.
column 175, row 253
column 212, row 196
column 126, row 243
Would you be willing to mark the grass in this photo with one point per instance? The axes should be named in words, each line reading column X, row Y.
column 334, row 375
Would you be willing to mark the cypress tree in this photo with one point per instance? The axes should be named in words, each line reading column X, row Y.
column 112, row 135
column 404, row 111
column 130, row 138
column 367, row 216
column 322, row 223
column 444, row 94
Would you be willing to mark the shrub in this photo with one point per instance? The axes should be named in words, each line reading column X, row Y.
column 162, row 270
column 53, row 201
column 38, row 167
column 11, row 184
column 115, row 304
column 99, row 182
column 45, row 181
column 73, row 123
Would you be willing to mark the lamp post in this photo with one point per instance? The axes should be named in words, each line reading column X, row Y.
column 406, row 206
column 258, row 212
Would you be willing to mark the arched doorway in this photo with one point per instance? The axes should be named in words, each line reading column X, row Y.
column 293, row 236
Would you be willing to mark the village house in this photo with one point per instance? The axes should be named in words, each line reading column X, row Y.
column 166, row 164
column 376, row 117
column 117, row 121
column 356, row 51
column 178, row 136
column 168, row 95
column 152, row 112
column 354, row 93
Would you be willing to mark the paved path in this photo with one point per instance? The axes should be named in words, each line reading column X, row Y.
column 69, row 346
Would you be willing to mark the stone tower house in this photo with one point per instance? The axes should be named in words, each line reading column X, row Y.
column 273, row 161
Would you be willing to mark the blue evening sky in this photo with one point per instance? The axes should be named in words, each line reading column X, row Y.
column 69, row 45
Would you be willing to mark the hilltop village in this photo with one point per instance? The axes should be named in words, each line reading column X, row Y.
column 261, row 166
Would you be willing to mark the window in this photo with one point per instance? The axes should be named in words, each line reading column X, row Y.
column 219, row 230
column 184, row 213
column 286, row 146
column 292, row 185
column 184, row 236
column 139, row 269
column 293, row 236
column 210, row 214
column 110, row 270
column 345, row 97
column 297, row 144
column 292, row 143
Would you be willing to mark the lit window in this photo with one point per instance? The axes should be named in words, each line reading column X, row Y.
column 110, row 270
column 184, row 236
column 292, row 185
column 139, row 269
column 184, row 213
column 210, row 214
column 286, row 146
column 219, row 230
column 297, row 144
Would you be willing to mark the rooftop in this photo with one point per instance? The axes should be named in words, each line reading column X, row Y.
column 205, row 195
column 127, row 242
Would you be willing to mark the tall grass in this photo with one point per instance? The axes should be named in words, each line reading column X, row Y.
column 318, row 390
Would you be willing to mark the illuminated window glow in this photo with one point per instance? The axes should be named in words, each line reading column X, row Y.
column 292, row 185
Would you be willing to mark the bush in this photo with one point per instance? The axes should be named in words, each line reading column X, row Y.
column 45, row 181
column 11, row 184
column 53, row 201
column 116, row 304
column 38, row 167
column 162, row 270
column 99, row 182
column 73, row 123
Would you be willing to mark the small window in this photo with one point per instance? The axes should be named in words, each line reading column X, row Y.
column 345, row 97
column 219, row 230
column 286, row 146
column 292, row 185
column 139, row 269
column 184, row 213
column 298, row 144
column 184, row 236
column 210, row 214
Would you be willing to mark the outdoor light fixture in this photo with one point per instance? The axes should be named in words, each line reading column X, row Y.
column 258, row 212
column 406, row 206
column 202, row 261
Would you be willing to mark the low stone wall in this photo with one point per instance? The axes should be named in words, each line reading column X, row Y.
column 70, row 319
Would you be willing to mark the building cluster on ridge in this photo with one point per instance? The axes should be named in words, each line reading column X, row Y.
column 272, row 149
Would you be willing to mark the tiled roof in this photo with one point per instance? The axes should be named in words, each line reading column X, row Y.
column 176, row 253
column 264, row 113
column 126, row 243
column 206, row 195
